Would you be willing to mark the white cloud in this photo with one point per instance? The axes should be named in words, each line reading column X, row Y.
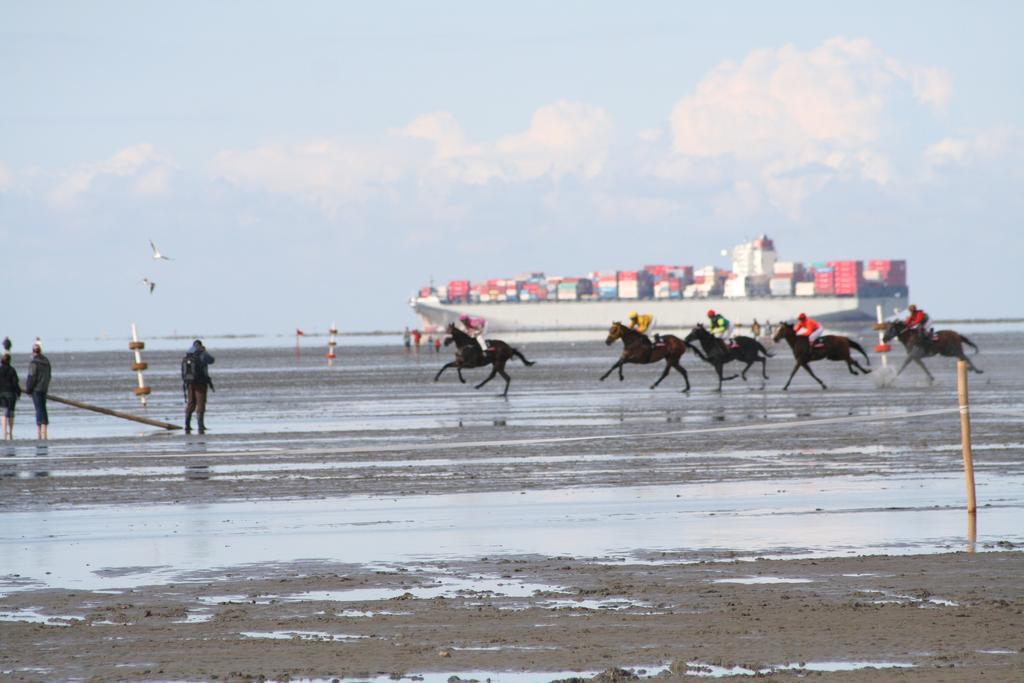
column 781, row 112
column 564, row 138
column 149, row 170
column 967, row 151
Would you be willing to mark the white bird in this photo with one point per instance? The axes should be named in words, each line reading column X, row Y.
column 149, row 283
column 157, row 256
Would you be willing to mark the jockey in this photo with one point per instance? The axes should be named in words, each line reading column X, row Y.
column 474, row 327
column 720, row 326
column 918, row 320
column 640, row 323
column 808, row 327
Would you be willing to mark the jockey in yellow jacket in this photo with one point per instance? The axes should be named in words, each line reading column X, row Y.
column 640, row 323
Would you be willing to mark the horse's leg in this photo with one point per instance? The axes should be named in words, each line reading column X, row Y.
column 744, row 373
column 906, row 362
column 863, row 370
column 443, row 368
column 971, row 365
column 682, row 371
column 921, row 364
column 849, row 366
column 807, row 367
column 664, row 374
column 764, row 368
column 494, row 371
column 458, row 369
column 618, row 364
column 791, row 375
column 508, row 380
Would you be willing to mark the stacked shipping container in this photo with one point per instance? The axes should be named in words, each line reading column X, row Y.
column 821, row 278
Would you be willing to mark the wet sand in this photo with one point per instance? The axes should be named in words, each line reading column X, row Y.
column 362, row 521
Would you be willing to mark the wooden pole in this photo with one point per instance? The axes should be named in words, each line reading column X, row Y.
column 113, row 413
column 965, row 434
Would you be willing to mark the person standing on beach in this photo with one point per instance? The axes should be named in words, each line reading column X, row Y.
column 10, row 390
column 195, row 379
column 37, row 385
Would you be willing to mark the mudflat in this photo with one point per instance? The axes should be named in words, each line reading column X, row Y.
column 362, row 522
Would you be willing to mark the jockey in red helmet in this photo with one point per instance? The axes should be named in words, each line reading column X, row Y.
column 808, row 327
column 917, row 320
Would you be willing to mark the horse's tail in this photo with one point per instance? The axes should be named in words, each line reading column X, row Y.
column 527, row 363
column 861, row 349
column 762, row 349
column 967, row 341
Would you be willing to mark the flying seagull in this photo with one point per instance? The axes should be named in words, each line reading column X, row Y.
column 157, row 256
column 149, row 283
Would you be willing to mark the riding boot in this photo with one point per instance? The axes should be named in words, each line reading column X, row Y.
column 188, row 423
column 202, row 424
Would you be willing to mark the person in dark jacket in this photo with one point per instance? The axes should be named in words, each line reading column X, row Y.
column 37, row 385
column 10, row 390
column 195, row 376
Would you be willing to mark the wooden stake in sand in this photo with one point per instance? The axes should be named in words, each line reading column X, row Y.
column 965, row 434
column 113, row 413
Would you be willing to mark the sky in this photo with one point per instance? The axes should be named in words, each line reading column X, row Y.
column 311, row 162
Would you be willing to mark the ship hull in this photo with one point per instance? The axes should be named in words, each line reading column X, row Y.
column 669, row 314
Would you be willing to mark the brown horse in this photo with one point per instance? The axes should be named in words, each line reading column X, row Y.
column 945, row 343
column 830, row 347
column 468, row 354
column 637, row 348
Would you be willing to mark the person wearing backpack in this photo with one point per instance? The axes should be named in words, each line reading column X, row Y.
column 195, row 380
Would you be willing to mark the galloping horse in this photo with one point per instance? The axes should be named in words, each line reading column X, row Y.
column 468, row 354
column 718, row 353
column 637, row 348
column 831, row 347
column 946, row 343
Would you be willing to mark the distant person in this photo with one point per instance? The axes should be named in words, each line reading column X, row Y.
column 7, row 344
column 37, row 385
column 437, row 344
column 474, row 327
column 417, row 336
column 755, row 329
column 808, row 327
column 407, row 339
column 10, row 390
column 195, row 378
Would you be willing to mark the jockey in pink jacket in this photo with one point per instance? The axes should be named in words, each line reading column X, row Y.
column 474, row 327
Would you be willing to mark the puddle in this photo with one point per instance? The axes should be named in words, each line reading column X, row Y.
column 195, row 617
column 229, row 599
column 31, row 616
column 712, row 671
column 443, row 588
column 900, row 599
column 997, row 652
column 302, row 635
column 610, row 604
column 762, row 579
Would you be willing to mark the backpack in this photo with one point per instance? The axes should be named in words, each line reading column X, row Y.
column 192, row 370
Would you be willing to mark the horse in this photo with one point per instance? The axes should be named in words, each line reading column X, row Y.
column 637, row 348
column 830, row 347
column 718, row 353
column 468, row 354
column 946, row 343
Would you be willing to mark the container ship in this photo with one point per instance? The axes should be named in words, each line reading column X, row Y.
column 759, row 286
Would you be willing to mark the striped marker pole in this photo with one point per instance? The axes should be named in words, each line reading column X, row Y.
column 332, row 342
column 136, row 346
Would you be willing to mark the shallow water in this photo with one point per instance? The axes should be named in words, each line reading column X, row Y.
column 371, row 461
